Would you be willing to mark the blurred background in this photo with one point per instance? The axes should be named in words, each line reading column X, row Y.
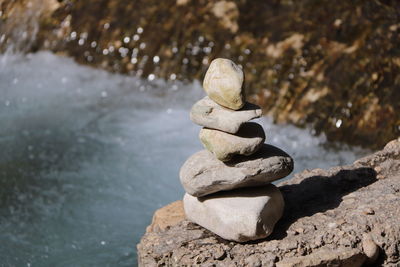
column 95, row 97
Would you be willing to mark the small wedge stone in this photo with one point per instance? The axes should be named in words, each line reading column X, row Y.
column 240, row 215
column 223, row 83
column 209, row 114
column 224, row 146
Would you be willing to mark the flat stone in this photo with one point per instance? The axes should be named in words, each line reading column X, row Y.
column 209, row 114
column 224, row 146
column 204, row 174
column 223, row 83
column 240, row 215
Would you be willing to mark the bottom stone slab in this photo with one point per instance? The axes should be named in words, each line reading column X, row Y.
column 239, row 215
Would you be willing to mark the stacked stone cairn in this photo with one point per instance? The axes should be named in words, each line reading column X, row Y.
column 228, row 185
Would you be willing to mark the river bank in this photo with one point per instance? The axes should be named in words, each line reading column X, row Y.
column 345, row 215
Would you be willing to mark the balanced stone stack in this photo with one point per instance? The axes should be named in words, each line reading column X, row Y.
column 228, row 185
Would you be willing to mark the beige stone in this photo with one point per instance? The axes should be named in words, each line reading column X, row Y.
column 223, row 83
column 240, row 215
column 167, row 216
column 224, row 146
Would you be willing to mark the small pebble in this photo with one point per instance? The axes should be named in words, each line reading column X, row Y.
column 368, row 211
column 341, row 221
column 371, row 250
column 332, row 225
column 299, row 230
column 219, row 254
column 291, row 232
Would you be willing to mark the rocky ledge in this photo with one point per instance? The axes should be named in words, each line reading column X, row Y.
column 344, row 216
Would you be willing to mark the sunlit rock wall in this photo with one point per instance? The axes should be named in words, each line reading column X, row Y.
column 334, row 66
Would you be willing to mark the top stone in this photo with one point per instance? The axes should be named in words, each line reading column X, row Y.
column 223, row 83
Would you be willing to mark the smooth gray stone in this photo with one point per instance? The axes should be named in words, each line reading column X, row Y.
column 224, row 146
column 240, row 215
column 203, row 174
column 223, row 83
column 209, row 114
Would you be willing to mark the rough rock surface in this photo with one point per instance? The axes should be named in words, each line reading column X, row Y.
column 225, row 146
column 223, row 83
column 209, row 114
column 240, row 215
column 167, row 216
column 327, row 214
column 203, row 174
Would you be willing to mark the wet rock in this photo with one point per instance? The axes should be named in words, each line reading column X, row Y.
column 223, row 83
column 203, row 174
column 209, row 114
column 224, row 146
column 240, row 215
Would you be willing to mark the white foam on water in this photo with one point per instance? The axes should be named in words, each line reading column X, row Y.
column 87, row 156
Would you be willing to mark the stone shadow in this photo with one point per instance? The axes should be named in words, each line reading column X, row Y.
column 318, row 194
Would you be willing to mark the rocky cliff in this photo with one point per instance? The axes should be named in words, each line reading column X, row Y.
column 344, row 216
column 334, row 66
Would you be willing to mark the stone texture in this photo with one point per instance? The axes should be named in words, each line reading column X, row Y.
column 167, row 216
column 203, row 174
column 223, row 83
column 240, row 215
column 209, row 114
column 323, row 214
column 344, row 257
column 224, row 146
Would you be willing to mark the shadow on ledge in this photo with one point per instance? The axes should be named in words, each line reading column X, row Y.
column 318, row 194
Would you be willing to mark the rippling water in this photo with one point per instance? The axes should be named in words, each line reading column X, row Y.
column 87, row 156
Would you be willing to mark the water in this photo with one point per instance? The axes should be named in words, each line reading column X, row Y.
column 87, row 156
